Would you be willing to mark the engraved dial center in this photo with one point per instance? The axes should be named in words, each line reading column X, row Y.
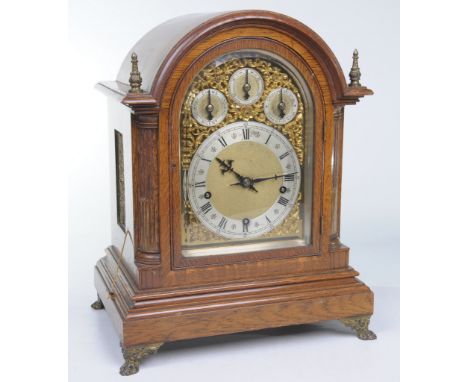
column 249, row 160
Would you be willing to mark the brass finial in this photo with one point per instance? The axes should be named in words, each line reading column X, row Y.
column 135, row 79
column 355, row 73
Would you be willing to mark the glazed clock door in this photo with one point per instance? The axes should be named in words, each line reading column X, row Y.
column 246, row 159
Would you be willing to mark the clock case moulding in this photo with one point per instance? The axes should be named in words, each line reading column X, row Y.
column 154, row 295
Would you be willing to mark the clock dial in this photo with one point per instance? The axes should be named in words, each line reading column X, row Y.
column 244, row 180
column 281, row 106
column 209, row 107
column 246, row 86
column 268, row 203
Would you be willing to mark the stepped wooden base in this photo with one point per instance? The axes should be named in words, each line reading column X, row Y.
column 146, row 319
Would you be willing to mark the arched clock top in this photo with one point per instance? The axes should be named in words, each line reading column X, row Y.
column 160, row 50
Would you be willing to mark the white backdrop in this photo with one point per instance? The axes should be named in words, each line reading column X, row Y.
column 102, row 32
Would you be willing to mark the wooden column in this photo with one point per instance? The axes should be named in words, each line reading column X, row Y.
column 145, row 168
column 145, row 185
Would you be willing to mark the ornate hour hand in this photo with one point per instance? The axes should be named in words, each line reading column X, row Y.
column 281, row 105
column 226, row 166
column 209, row 107
column 245, row 182
column 246, row 86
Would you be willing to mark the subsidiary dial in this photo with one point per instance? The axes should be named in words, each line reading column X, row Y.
column 209, row 107
column 281, row 106
column 246, row 86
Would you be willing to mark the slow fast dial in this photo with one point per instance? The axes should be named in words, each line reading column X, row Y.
column 281, row 106
column 209, row 107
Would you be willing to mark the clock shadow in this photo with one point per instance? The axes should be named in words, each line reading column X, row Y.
column 258, row 336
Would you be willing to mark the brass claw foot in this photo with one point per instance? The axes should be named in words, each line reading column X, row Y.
column 361, row 326
column 97, row 304
column 133, row 356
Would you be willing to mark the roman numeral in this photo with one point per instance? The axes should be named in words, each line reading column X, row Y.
column 222, row 141
column 245, row 225
column 206, row 208
column 283, row 201
column 289, row 177
column 282, row 156
column 200, row 184
column 246, row 134
column 222, row 223
column 268, row 139
column 268, row 220
column 206, row 160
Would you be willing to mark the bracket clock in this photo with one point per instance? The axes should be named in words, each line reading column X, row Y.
column 226, row 133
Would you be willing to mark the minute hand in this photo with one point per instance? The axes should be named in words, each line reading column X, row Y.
column 257, row 180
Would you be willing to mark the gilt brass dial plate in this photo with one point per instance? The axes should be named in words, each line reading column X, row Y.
column 207, row 233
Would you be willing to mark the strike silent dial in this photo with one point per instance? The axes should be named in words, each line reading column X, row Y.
column 246, row 86
column 209, row 107
column 281, row 106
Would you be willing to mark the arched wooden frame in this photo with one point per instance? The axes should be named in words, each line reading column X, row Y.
column 221, row 49
column 276, row 23
column 155, row 166
column 267, row 263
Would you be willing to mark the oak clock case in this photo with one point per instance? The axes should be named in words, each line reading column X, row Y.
column 226, row 152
